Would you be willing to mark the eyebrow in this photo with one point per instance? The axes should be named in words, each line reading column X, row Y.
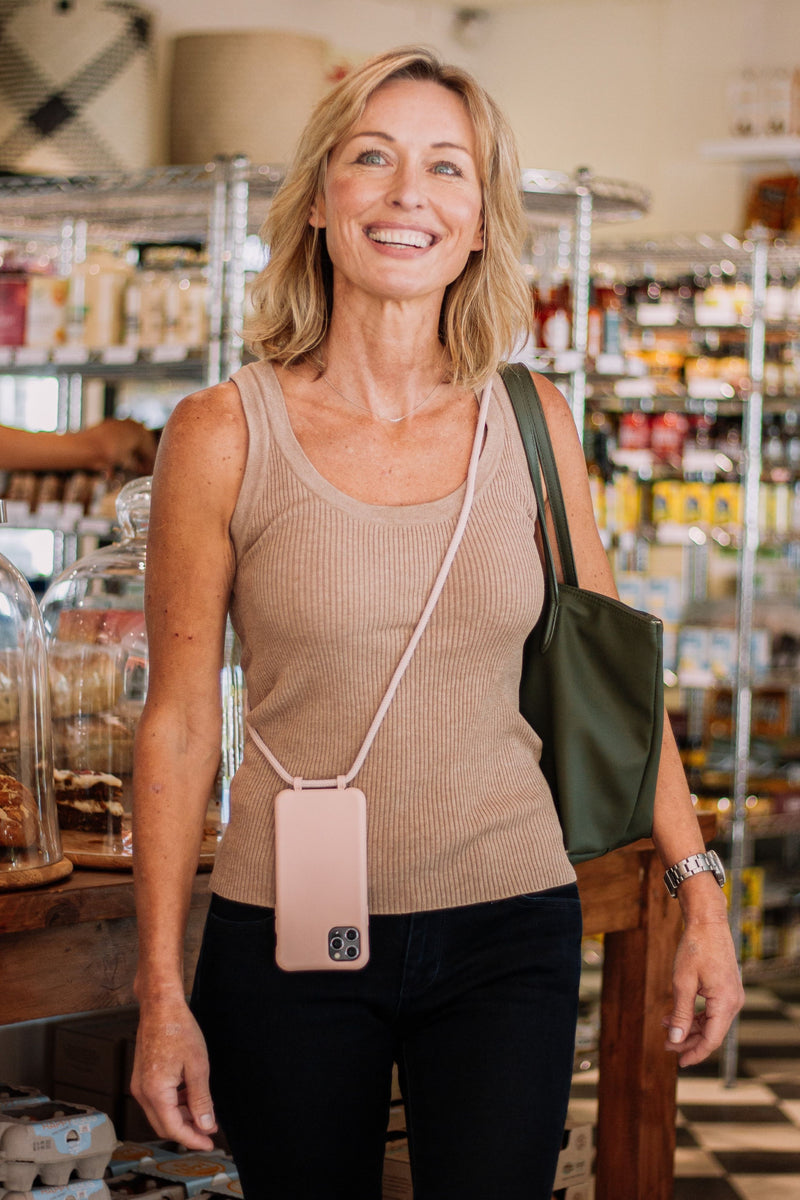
column 387, row 137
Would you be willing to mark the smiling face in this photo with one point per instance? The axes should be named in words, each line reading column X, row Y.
column 402, row 205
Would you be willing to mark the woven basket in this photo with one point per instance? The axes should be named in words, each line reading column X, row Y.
column 243, row 93
column 76, row 86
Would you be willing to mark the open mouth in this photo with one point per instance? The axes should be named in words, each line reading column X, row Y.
column 402, row 237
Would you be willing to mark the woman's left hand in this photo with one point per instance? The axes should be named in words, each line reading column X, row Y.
column 705, row 967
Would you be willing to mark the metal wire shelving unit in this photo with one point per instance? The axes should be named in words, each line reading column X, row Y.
column 755, row 257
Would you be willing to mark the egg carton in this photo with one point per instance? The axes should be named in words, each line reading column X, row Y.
column 50, row 1140
column 196, row 1172
column 127, row 1155
column 12, row 1096
column 77, row 1189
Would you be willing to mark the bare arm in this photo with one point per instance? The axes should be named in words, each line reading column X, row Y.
column 102, row 447
column 705, row 965
column 189, row 575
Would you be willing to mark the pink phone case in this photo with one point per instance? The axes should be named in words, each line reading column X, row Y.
column 321, row 914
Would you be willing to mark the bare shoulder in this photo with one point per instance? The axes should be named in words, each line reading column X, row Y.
column 557, row 411
column 206, row 430
column 214, row 414
column 202, row 455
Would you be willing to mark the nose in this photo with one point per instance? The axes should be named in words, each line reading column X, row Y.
column 405, row 190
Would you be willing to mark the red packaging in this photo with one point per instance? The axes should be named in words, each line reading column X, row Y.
column 634, row 431
column 13, row 305
column 668, row 432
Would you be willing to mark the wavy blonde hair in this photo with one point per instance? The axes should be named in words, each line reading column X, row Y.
column 484, row 310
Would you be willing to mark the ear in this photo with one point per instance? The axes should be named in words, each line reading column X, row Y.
column 478, row 241
column 317, row 215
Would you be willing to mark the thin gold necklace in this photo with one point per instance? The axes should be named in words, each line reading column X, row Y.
column 377, row 416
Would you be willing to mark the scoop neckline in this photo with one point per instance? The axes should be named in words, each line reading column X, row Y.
column 428, row 510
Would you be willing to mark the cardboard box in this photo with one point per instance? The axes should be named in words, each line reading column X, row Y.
column 91, row 1052
column 575, row 1159
column 578, row 1191
column 573, row 1175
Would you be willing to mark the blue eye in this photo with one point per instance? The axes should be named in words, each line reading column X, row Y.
column 447, row 168
column 370, row 157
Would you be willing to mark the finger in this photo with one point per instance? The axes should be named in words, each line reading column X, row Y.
column 197, row 1098
column 680, row 1020
column 173, row 1120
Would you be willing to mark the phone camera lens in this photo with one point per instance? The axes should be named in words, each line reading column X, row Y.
column 351, row 952
column 352, row 935
column 336, row 943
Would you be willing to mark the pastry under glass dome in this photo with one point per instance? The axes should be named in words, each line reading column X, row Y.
column 98, row 657
column 30, row 843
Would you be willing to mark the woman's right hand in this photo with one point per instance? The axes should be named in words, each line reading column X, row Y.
column 170, row 1074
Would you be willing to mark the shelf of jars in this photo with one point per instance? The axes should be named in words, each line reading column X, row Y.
column 111, row 362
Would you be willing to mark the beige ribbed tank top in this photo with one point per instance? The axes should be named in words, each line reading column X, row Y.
column 326, row 594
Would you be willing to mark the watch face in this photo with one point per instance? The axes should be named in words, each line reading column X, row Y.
column 717, row 867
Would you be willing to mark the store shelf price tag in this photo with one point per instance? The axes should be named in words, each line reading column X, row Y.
column 169, row 354
column 657, row 314
column 31, row 356
column 700, row 387
column 568, row 360
column 634, row 389
column 71, row 355
column 610, row 364
column 119, row 356
column 18, row 512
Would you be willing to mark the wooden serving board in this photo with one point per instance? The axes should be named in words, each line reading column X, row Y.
column 114, row 852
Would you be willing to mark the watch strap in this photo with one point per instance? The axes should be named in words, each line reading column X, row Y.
column 694, row 864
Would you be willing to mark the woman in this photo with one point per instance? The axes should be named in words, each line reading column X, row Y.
column 316, row 495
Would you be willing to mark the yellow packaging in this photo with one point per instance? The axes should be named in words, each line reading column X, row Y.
column 629, row 496
column 667, row 501
column 727, row 506
column 696, row 503
column 597, row 488
column 752, row 911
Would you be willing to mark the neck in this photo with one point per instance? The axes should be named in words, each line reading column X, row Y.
column 386, row 353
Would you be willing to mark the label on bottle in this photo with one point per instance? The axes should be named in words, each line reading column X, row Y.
column 556, row 330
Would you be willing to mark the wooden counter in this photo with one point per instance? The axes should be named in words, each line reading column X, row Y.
column 71, row 947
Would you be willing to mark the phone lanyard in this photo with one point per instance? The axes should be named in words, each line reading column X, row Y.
column 400, row 670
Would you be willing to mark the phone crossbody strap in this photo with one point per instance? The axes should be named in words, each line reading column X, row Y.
column 400, row 670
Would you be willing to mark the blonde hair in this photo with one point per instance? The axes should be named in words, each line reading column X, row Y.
column 484, row 310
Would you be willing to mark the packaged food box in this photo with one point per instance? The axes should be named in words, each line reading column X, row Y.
column 134, row 1184
column 127, row 1155
column 49, row 1141
column 196, row 1172
column 234, row 1188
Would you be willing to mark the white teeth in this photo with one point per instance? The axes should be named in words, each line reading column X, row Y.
column 400, row 237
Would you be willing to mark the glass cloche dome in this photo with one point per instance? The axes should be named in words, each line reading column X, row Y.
column 98, row 658
column 30, row 845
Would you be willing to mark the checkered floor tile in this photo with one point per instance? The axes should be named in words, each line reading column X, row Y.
column 743, row 1142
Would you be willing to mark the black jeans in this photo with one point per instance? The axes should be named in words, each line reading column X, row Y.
column 477, row 1005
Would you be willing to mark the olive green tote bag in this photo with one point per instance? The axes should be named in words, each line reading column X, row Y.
column 592, row 678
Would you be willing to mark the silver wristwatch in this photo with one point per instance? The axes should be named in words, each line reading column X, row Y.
column 694, row 865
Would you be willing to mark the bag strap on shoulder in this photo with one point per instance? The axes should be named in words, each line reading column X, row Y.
column 536, row 436
column 542, row 464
